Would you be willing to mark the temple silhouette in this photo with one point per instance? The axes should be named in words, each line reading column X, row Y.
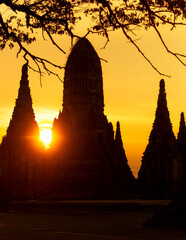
column 91, row 160
column 161, row 170
column 21, row 151
column 87, row 159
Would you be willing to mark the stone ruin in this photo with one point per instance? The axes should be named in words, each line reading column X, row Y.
column 87, row 160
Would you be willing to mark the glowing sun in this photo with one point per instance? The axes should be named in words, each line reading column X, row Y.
column 46, row 136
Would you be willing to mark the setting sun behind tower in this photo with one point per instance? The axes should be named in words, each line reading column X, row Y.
column 46, row 136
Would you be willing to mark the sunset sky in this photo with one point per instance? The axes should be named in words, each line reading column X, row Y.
column 131, row 86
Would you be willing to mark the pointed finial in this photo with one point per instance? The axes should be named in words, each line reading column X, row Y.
column 162, row 94
column 162, row 84
column 118, row 125
column 182, row 119
column 118, row 132
column 182, row 122
column 24, row 76
column 182, row 129
column 24, row 90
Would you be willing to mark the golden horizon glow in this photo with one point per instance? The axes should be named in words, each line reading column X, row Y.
column 130, row 85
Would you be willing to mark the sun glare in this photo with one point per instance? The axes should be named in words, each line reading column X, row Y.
column 46, row 136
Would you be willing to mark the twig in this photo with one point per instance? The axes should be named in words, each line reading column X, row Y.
column 129, row 38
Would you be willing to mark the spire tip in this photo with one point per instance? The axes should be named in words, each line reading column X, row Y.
column 162, row 83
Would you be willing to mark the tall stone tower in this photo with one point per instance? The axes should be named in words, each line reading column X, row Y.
column 23, row 124
column 82, row 96
column 92, row 163
column 83, row 84
column 161, row 168
column 21, row 150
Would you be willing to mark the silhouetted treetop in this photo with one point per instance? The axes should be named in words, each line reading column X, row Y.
column 20, row 20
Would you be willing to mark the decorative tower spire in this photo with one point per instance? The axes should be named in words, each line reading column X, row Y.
column 182, row 130
column 119, row 142
column 161, row 163
column 118, row 132
column 162, row 119
column 162, row 127
column 23, row 118
column 21, row 150
column 121, row 159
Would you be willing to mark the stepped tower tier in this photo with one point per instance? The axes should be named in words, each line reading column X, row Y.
column 23, row 124
column 160, row 171
column 91, row 164
column 83, row 104
column 83, row 84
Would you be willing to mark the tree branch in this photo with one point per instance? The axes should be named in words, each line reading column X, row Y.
column 176, row 55
column 106, row 3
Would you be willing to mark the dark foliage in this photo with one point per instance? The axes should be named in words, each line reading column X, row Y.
column 20, row 20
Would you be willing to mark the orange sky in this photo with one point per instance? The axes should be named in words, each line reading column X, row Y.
column 130, row 84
